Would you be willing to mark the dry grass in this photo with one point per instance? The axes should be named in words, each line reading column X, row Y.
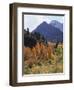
column 42, row 59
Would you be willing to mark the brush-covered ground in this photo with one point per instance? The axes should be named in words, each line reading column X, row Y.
column 43, row 59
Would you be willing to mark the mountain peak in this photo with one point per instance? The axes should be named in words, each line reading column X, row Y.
column 57, row 24
column 44, row 25
column 50, row 32
column 44, row 22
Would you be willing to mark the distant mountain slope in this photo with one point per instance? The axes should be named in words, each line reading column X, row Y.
column 57, row 24
column 50, row 32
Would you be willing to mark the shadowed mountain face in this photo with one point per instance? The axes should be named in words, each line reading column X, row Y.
column 50, row 32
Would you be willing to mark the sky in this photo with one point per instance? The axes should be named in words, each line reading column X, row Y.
column 32, row 21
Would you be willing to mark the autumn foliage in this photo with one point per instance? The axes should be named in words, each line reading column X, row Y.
column 41, row 56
